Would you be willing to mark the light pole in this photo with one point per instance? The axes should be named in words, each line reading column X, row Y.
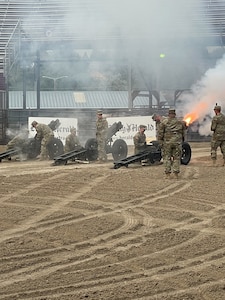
column 55, row 79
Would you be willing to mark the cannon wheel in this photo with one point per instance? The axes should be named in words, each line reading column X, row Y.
column 92, row 149
column 119, row 149
column 186, row 153
column 33, row 148
column 55, row 148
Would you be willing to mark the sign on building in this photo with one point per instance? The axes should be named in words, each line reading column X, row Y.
column 130, row 127
column 62, row 132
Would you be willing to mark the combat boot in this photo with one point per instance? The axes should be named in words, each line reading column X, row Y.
column 167, row 176
column 176, row 175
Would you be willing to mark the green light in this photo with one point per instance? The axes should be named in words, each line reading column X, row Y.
column 162, row 55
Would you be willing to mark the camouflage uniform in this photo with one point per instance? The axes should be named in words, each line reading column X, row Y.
column 139, row 141
column 72, row 143
column 171, row 135
column 45, row 134
column 218, row 137
column 158, row 119
column 101, row 136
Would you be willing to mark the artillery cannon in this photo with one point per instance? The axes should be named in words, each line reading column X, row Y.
column 153, row 154
column 90, row 151
column 55, row 147
column 32, row 147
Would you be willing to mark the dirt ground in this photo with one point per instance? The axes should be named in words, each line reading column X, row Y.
column 88, row 231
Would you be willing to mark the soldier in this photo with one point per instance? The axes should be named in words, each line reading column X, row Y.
column 19, row 141
column 72, row 141
column 158, row 119
column 218, row 137
column 140, row 140
column 101, row 136
column 171, row 135
column 45, row 135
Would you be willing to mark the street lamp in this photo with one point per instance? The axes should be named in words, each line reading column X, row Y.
column 55, row 79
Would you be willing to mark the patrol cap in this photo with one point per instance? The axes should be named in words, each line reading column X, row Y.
column 217, row 107
column 99, row 112
column 154, row 117
column 172, row 111
column 142, row 126
column 72, row 129
column 34, row 123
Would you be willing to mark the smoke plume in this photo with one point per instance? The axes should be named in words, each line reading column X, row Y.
column 161, row 38
column 208, row 91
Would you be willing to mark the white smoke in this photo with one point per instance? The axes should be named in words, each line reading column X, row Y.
column 21, row 132
column 204, row 95
column 140, row 30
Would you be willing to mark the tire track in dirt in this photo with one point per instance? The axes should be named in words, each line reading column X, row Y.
column 131, row 221
column 112, row 283
column 37, row 219
column 48, row 211
column 22, row 229
column 163, row 193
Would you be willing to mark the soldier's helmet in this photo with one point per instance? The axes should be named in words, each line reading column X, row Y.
column 34, row 123
column 217, row 107
column 73, row 129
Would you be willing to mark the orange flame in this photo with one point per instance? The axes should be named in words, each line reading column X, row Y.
column 194, row 115
column 190, row 118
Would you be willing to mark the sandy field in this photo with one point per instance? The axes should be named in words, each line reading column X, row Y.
column 88, row 231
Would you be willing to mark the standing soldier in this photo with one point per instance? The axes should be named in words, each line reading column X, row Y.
column 171, row 135
column 140, row 140
column 218, row 137
column 101, row 136
column 158, row 119
column 72, row 141
column 45, row 135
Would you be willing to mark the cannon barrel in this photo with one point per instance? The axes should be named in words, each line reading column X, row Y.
column 112, row 130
